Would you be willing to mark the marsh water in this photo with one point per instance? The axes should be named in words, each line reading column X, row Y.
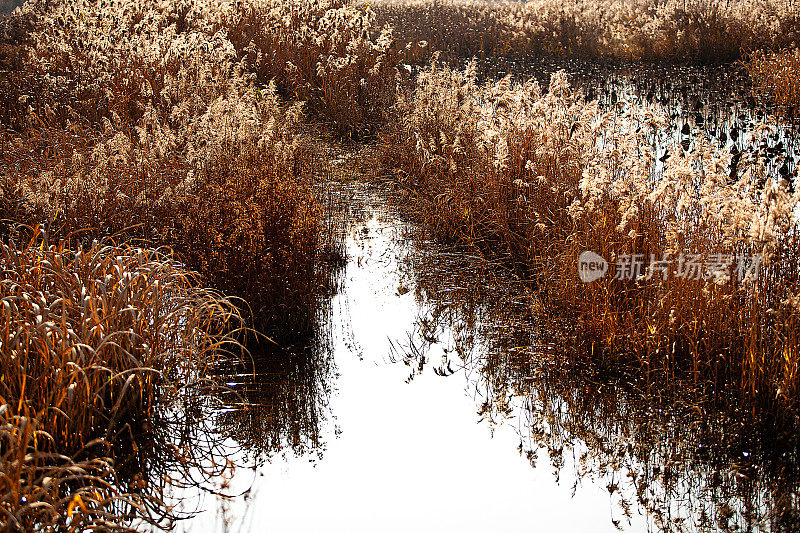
column 714, row 100
column 431, row 402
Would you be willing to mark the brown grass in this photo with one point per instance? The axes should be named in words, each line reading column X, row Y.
column 101, row 350
column 329, row 54
column 187, row 152
column 250, row 226
column 776, row 77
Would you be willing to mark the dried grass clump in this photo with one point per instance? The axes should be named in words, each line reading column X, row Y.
column 266, row 242
column 101, row 351
column 776, row 77
column 540, row 177
column 696, row 30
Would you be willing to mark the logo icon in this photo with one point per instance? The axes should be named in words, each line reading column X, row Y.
column 591, row 267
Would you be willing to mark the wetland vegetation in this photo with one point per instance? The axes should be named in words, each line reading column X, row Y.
column 188, row 190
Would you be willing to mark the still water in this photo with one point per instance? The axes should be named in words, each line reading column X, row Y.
column 398, row 448
column 401, row 454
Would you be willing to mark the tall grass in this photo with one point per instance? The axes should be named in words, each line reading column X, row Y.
column 158, row 130
column 249, row 223
column 89, row 61
column 775, row 77
column 696, row 30
column 537, row 178
column 101, row 349
column 138, row 122
column 330, row 54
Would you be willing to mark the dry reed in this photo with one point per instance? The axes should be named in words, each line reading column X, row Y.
column 158, row 131
column 102, row 349
column 137, row 121
column 776, row 78
column 696, row 30
column 329, row 53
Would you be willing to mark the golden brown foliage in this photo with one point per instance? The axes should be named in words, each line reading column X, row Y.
column 776, row 76
column 539, row 178
column 328, row 53
column 248, row 223
column 695, row 30
column 100, row 349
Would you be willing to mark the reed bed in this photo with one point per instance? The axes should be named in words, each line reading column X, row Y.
column 143, row 124
column 185, row 124
column 246, row 223
column 91, row 61
column 536, row 178
column 151, row 126
column 139, row 123
column 103, row 350
column 331, row 54
column 776, row 79
column 672, row 30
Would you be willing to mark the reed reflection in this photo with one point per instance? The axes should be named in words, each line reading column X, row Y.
column 691, row 455
column 277, row 400
column 277, row 394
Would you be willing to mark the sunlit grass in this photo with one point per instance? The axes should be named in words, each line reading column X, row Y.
column 244, row 216
column 695, row 30
column 99, row 348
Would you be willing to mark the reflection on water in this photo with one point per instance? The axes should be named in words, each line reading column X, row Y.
column 399, row 456
column 447, row 439
column 274, row 408
column 683, row 453
column 278, row 393
column 278, row 399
